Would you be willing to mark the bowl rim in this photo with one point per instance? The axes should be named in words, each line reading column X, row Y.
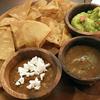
column 24, row 96
column 74, row 29
column 60, row 56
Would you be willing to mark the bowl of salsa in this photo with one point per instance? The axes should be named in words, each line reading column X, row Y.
column 80, row 59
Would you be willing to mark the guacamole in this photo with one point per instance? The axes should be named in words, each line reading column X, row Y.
column 87, row 21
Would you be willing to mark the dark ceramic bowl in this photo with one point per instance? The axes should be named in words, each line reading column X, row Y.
column 81, row 40
column 19, row 57
column 74, row 11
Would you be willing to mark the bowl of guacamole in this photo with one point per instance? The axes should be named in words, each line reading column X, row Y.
column 84, row 19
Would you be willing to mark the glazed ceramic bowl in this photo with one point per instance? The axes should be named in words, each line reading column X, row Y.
column 77, row 41
column 19, row 57
column 74, row 11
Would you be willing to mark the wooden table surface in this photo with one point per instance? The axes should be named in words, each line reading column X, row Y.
column 66, row 89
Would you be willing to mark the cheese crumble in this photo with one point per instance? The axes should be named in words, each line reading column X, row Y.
column 36, row 66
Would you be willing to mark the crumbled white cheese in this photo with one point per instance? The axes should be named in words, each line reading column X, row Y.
column 42, row 68
column 17, row 83
column 26, row 67
column 29, row 87
column 21, row 71
column 31, row 66
column 28, row 74
column 34, row 60
column 36, row 84
column 36, row 66
column 42, row 76
column 20, row 81
column 36, row 73
column 37, row 87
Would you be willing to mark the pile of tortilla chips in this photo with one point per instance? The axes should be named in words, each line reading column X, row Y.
column 36, row 23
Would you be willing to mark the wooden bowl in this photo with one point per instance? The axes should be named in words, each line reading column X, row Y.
column 1, row 63
column 81, row 40
column 22, row 55
column 0, row 84
column 74, row 11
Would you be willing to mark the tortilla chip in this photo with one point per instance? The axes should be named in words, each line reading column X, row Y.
column 40, row 3
column 60, row 16
column 55, row 36
column 16, row 25
column 62, row 1
column 17, row 36
column 51, row 47
column 21, row 11
column 34, row 14
column 6, row 44
column 7, row 21
column 66, row 6
column 56, row 32
column 5, row 28
column 1, row 62
column 27, row 32
column 65, row 36
column 33, row 33
column 52, row 5
column 50, row 10
column 48, row 21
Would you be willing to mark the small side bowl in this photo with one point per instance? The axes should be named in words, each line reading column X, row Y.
column 24, row 54
column 76, row 10
column 81, row 40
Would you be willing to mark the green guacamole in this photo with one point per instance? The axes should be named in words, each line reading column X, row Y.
column 87, row 21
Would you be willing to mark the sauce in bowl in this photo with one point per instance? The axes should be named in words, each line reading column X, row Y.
column 83, row 62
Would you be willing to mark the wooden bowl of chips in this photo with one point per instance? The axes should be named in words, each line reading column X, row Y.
column 10, row 74
column 77, row 10
column 80, row 59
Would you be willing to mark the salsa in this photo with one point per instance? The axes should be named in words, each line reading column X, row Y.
column 87, row 21
column 83, row 62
